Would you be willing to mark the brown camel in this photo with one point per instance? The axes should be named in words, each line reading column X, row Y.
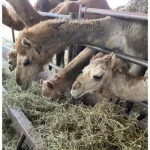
column 73, row 6
column 60, row 82
column 105, row 76
column 36, row 46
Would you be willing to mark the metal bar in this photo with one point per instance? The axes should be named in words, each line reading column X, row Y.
column 13, row 34
column 23, row 125
column 114, row 13
column 121, row 55
column 55, row 66
column 71, row 46
column 8, row 41
column 20, row 142
column 53, row 15
column 81, row 14
column 72, row 15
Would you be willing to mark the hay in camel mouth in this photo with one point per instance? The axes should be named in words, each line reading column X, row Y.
column 64, row 126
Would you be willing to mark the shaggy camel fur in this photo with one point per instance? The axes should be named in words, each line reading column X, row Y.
column 60, row 82
column 104, row 76
column 73, row 6
column 36, row 46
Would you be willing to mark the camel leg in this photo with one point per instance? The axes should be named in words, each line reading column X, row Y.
column 60, row 58
column 128, row 107
column 143, row 114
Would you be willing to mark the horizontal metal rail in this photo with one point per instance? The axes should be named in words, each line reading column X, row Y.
column 8, row 41
column 23, row 126
column 114, row 13
column 53, row 15
column 129, row 58
column 55, row 66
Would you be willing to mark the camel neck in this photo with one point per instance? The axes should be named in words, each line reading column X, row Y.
column 58, row 34
column 80, row 32
column 129, row 88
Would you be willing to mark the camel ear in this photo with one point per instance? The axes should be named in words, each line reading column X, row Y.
column 12, row 54
column 98, row 55
column 12, row 60
column 113, row 61
column 41, row 82
column 26, row 43
column 108, row 57
column 50, row 85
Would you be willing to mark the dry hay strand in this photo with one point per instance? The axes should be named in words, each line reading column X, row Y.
column 65, row 126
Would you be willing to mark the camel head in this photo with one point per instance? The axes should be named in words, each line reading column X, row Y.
column 28, row 59
column 35, row 47
column 49, row 89
column 96, row 75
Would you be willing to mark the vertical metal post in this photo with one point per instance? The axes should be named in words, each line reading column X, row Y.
column 80, row 15
column 71, row 47
column 13, row 34
column 21, row 141
column 77, row 48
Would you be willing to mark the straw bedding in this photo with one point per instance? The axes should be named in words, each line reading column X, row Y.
column 64, row 126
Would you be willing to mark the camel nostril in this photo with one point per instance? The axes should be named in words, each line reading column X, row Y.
column 76, row 85
column 18, row 81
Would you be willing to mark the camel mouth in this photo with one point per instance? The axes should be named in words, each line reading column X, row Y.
column 26, row 86
column 78, row 95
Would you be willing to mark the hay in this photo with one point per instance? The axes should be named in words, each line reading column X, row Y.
column 64, row 126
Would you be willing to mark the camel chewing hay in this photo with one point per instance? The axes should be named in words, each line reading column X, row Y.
column 63, row 125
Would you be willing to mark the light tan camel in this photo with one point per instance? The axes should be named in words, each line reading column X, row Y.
column 36, row 46
column 105, row 75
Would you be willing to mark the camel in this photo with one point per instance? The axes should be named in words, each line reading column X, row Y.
column 104, row 76
column 73, row 6
column 63, row 80
column 36, row 45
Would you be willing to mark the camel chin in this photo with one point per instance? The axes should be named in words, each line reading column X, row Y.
column 26, row 86
column 77, row 94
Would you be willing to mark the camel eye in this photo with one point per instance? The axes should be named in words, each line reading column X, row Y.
column 97, row 78
column 26, row 63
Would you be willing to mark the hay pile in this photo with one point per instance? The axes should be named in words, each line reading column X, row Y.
column 64, row 126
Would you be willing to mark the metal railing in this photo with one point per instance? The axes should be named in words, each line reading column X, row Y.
column 129, row 58
column 113, row 13
column 54, row 15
